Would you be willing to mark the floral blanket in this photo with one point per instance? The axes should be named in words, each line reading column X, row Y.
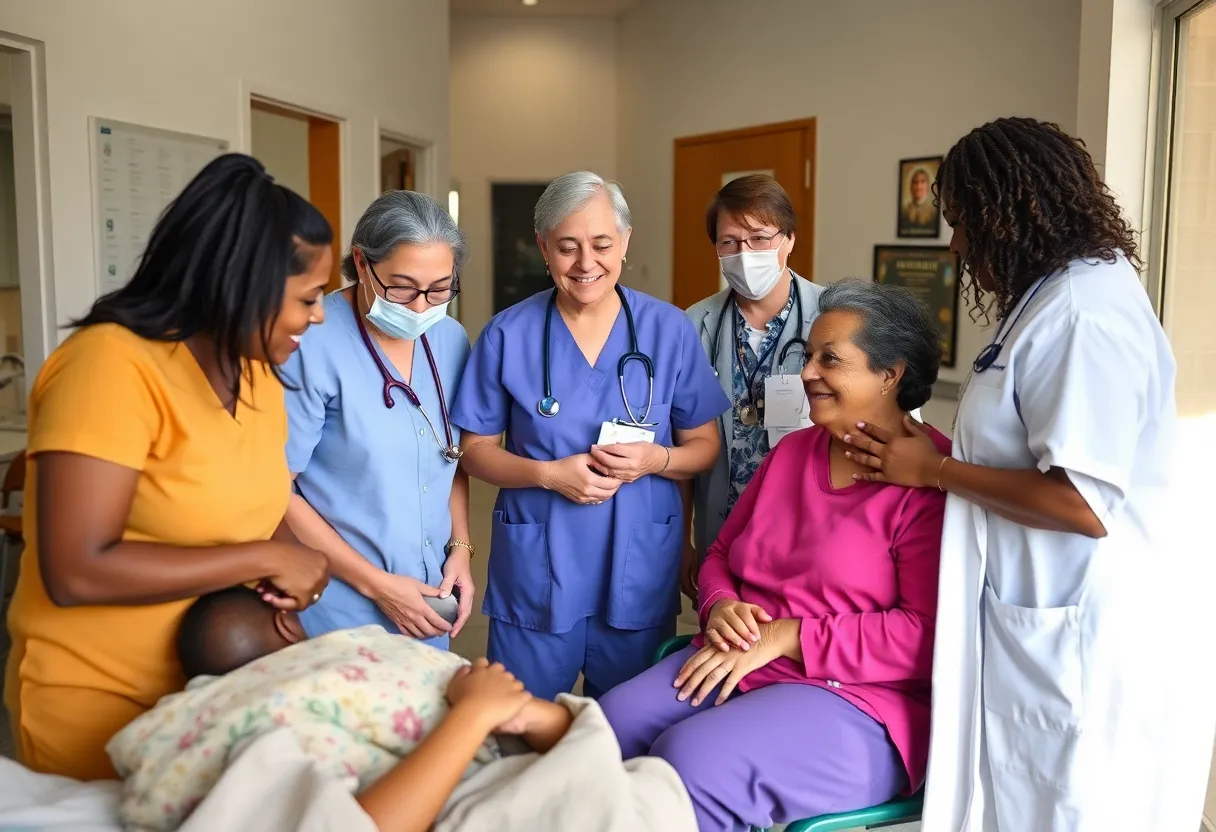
column 357, row 701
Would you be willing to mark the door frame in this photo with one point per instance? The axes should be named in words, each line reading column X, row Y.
column 27, row 79
column 327, row 139
column 806, row 219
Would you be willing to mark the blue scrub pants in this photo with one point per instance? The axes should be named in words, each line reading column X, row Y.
column 549, row 663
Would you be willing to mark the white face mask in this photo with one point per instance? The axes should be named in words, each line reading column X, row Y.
column 753, row 274
column 401, row 322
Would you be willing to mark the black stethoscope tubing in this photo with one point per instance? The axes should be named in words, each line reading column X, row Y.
column 549, row 406
column 781, row 357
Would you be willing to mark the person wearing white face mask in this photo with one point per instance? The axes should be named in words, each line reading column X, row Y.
column 755, row 335
column 370, row 445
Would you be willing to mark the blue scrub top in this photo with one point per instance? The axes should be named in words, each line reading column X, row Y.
column 553, row 562
column 375, row 474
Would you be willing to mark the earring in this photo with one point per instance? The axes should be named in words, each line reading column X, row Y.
column 547, row 268
column 884, row 391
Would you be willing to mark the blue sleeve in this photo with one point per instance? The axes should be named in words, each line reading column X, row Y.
column 698, row 396
column 482, row 402
column 305, row 407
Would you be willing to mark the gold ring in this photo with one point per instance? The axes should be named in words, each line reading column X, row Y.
column 316, row 596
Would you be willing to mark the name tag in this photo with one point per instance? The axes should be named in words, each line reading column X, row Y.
column 786, row 408
column 785, row 402
column 612, row 433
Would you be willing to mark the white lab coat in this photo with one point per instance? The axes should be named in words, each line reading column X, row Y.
column 1058, row 702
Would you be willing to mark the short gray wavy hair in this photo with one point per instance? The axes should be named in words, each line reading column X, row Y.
column 404, row 218
column 571, row 192
column 896, row 327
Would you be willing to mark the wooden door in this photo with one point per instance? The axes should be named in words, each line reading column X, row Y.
column 703, row 164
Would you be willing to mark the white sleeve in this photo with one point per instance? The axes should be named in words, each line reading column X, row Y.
column 1081, row 392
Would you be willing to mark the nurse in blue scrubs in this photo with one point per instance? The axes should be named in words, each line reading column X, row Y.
column 585, row 553
column 374, row 454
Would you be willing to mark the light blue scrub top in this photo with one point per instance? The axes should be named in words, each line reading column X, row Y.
column 553, row 562
column 375, row 474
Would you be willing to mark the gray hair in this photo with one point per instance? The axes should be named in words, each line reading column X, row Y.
column 404, row 218
column 896, row 328
column 571, row 192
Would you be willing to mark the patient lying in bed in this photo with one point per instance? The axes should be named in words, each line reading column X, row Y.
column 358, row 701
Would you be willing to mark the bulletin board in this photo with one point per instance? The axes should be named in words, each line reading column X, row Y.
column 136, row 172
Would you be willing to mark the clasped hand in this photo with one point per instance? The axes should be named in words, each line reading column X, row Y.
column 739, row 638
column 590, row 479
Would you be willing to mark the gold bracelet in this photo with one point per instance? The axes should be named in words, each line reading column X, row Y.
column 666, row 464
column 454, row 543
column 945, row 459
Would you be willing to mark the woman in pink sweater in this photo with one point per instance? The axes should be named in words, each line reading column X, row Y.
column 808, row 689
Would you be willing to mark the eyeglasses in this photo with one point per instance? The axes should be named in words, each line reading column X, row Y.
column 756, row 242
column 409, row 294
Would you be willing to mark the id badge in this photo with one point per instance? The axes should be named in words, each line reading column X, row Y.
column 612, row 433
column 785, row 402
column 786, row 408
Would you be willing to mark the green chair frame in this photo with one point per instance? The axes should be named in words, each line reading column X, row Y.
column 899, row 810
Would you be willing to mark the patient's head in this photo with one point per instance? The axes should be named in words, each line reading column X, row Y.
column 230, row 628
column 874, row 355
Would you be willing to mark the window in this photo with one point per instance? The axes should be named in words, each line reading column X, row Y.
column 1182, row 275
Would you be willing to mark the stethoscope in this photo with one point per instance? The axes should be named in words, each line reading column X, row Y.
column 549, row 405
column 451, row 451
column 989, row 354
column 749, row 414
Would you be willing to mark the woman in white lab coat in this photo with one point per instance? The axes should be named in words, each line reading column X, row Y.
column 1055, row 705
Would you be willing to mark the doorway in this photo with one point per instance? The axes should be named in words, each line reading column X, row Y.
column 303, row 151
column 703, row 164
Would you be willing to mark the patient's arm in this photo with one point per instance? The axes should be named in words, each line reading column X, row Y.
column 542, row 724
column 412, row 794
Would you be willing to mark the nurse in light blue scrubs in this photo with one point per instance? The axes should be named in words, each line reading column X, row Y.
column 377, row 485
column 585, row 553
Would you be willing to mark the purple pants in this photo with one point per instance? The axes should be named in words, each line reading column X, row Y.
column 772, row 755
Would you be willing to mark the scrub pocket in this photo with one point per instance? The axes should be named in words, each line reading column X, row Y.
column 650, row 589
column 519, row 584
column 1033, row 699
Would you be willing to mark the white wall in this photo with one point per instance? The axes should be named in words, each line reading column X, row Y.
column 281, row 144
column 191, row 66
column 532, row 98
column 905, row 82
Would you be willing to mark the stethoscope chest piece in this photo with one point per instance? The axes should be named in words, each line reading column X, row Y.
column 453, row 453
column 987, row 357
column 548, row 407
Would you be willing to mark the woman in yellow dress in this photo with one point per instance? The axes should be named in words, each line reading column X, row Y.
column 157, row 470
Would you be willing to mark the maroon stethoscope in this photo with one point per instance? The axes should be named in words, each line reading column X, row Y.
column 451, row 451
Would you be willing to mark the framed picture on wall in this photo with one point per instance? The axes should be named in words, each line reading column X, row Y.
column 931, row 273
column 519, row 268
column 918, row 216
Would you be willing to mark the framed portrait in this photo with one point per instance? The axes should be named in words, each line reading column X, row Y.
column 918, row 216
column 932, row 274
column 519, row 267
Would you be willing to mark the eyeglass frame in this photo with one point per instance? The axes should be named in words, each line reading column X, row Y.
column 452, row 290
column 746, row 241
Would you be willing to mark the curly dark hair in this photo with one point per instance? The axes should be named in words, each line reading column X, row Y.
column 1030, row 201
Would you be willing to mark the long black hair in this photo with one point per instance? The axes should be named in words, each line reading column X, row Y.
column 217, row 262
column 1030, row 201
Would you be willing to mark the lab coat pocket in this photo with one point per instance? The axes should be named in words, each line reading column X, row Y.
column 1033, row 692
column 519, row 585
column 650, row 589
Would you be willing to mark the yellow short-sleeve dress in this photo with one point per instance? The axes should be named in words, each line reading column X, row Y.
column 76, row 675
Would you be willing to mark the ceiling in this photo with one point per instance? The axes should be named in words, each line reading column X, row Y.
column 546, row 8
